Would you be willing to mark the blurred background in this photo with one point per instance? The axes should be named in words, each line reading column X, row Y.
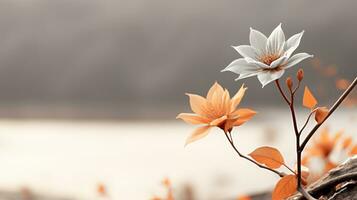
column 89, row 92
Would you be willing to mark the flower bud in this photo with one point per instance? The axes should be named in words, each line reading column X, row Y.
column 289, row 83
column 321, row 114
column 300, row 74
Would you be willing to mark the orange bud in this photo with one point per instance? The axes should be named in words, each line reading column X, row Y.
column 321, row 113
column 289, row 83
column 300, row 74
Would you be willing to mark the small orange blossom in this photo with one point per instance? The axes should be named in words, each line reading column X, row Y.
column 216, row 110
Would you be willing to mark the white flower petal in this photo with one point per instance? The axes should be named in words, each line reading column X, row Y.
column 257, row 63
column 292, row 43
column 241, row 66
column 295, row 59
column 241, row 76
column 268, row 76
column 279, row 61
column 276, row 40
column 247, row 51
column 258, row 40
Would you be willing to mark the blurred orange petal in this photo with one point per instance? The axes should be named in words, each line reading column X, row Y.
column 193, row 118
column 342, row 84
column 156, row 198
column 198, row 134
column 244, row 197
column 353, row 150
column 347, row 142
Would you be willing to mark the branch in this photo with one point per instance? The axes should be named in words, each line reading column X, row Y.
column 333, row 108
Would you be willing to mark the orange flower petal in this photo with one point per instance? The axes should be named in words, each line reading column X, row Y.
column 193, row 118
column 198, row 104
column 216, row 87
column 217, row 99
column 218, row 121
column 226, row 102
column 238, row 97
column 198, row 134
column 244, row 115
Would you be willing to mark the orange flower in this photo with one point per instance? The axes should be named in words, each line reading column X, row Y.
column 324, row 144
column 328, row 151
column 216, row 110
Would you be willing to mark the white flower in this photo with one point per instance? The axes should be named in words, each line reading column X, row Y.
column 267, row 58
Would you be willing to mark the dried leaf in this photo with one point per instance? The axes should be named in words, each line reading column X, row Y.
column 268, row 156
column 309, row 100
column 320, row 114
column 286, row 187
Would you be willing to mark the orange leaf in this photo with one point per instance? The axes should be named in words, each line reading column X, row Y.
column 268, row 156
column 321, row 114
column 286, row 187
column 309, row 100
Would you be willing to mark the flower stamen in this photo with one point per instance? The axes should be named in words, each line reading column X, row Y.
column 269, row 58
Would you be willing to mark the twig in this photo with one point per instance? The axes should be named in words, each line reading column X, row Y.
column 297, row 87
column 306, row 122
column 287, row 167
column 281, row 91
column 251, row 160
column 333, row 108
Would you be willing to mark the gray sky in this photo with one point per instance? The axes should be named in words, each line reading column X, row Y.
column 135, row 58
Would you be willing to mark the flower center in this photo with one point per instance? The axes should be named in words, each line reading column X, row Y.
column 269, row 58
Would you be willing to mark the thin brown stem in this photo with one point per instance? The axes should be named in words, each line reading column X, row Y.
column 287, row 167
column 297, row 87
column 306, row 122
column 332, row 109
column 281, row 91
column 297, row 135
column 251, row 160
